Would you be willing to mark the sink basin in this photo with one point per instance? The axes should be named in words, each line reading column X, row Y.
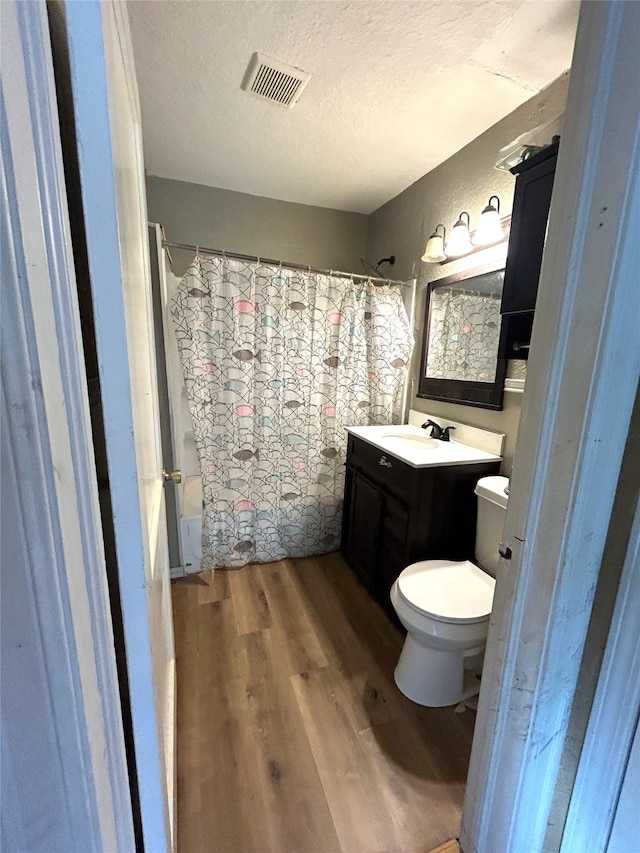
column 417, row 442
column 413, row 445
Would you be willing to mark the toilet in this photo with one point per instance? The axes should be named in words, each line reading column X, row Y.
column 445, row 607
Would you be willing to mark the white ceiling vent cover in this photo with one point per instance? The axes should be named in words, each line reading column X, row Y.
column 267, row 78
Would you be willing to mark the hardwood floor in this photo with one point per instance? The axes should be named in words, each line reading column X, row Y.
column 448, row 847
column 292, row 736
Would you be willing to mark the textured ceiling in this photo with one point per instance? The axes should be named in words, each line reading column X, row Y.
column 396, row 88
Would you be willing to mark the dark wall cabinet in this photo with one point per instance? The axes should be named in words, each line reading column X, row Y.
column 531, row 202
column 395, row 514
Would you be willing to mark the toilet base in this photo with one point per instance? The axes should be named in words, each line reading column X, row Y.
column 433, row 677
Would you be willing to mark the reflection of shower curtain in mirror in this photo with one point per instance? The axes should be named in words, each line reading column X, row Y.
column 277, row 362
column 464, row 334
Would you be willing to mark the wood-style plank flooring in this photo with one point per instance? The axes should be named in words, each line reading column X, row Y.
column 448, row 847
column 292, row 736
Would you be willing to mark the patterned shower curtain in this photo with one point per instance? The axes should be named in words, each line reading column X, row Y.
column 463, row 335
column 277, row 362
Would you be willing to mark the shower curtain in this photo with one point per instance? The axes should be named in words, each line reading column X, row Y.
column 463, row 335
column 277, row 362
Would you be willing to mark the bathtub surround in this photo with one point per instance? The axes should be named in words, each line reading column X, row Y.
column 277, row 362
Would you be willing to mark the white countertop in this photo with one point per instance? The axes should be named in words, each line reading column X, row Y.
column 389, row 438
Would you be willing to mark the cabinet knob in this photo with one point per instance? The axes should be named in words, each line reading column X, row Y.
column 385, row 462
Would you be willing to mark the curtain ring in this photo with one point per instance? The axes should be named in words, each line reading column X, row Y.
column 197, row 251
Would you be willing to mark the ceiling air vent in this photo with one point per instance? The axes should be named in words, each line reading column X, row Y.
column 275, row 81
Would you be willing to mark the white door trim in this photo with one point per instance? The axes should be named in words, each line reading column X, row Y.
column 613, row 720
column 61, row 716
column 102, row 79
column 581, row 385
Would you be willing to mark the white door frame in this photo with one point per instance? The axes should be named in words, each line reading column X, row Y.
column 65, row 784
column 606, row 794
column 576, row 416
column 581, row 385
column 111, row 173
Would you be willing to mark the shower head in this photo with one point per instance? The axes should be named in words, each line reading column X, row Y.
column 370, row 269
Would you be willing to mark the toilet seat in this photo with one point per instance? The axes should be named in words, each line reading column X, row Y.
column 447, row 591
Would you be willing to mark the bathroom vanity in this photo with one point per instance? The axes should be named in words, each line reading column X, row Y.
column 408, row 497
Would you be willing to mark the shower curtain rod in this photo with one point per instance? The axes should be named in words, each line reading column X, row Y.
column 305, row 267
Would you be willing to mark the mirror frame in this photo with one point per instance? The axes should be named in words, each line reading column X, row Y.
column 485, row 395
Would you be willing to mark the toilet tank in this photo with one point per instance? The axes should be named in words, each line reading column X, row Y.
column 492, row 508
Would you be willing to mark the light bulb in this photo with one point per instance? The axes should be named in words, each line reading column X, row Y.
column 459, row 242
column 489, row 227
column 434, row 253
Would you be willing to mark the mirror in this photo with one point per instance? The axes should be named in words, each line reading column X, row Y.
column 461, row 343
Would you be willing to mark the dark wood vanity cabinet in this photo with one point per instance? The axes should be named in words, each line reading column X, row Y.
column 395, row 514
column 531, row 202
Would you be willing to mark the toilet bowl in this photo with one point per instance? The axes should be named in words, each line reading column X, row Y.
column 445, row 607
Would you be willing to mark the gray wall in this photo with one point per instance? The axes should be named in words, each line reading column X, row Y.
column 463, row 182
column 238, row 222
column 334, row 239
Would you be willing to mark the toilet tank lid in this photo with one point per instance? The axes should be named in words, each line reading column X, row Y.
column 493, row 489
column 448, row 591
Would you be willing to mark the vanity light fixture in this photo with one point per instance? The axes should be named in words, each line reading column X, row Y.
column 489, row 229
column 434, row 253
column 459, row 242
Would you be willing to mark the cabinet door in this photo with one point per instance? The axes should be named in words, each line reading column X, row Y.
column 515, row 337
column 393, row 543
column 531, row 203
column 363, row 521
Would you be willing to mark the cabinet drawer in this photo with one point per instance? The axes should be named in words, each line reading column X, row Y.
column 383, row 468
